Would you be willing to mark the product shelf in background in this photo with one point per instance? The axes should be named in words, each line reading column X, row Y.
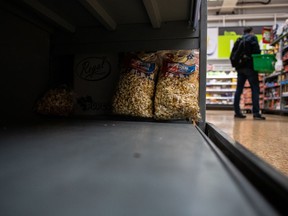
column 220, row 90
column 221, row 77
column 276, row 41
column 221, row 83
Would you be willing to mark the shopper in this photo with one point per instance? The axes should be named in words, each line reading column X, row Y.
column 247, row 46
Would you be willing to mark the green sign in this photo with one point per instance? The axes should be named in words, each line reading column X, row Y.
column 226, row 42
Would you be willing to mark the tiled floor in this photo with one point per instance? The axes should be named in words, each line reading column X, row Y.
column 268, row 139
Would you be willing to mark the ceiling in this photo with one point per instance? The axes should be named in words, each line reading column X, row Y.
column 245, row 9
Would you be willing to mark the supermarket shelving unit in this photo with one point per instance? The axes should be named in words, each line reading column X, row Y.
column 284, row 77
column 220, row 86
column 272, row 99
column 275, row 93
column 102, row 165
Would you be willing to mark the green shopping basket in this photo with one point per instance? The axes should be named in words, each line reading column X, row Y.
column 264, row 62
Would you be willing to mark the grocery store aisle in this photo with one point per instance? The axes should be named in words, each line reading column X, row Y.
column 267, row 139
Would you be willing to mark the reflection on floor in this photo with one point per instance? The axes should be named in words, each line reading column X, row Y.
column 268, row 139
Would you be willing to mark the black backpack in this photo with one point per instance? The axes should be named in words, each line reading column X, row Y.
column 237, row 52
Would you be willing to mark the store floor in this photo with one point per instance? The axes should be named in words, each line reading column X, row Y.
column 267, row 139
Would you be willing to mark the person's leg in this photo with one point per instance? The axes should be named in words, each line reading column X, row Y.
column 254, row 83
column 241, row 79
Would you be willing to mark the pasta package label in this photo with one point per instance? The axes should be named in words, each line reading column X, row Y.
column 141, row 68
column 144, row 67
column 178, row 69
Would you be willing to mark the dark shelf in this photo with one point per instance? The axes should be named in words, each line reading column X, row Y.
column 284, row 49
column 219, row 106
column 285, row 62
column 89, row 158
column 273, row 111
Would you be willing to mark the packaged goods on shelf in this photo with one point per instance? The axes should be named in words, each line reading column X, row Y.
column 221, row 81
column 57, row 101
column 280, row 31
column 176, row 95
column 266, row 34
column 135, row 90
column 176, row 90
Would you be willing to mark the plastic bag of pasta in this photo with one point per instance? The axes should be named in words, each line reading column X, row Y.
column 56, row 102
column 135, row 90
column 178, row 85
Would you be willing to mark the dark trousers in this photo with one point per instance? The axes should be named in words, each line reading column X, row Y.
column 252, row 76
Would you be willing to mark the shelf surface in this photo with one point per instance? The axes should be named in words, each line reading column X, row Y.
column 221, row 83
column 220, row 90
column 221, row 98
column 117, row 168
column 272, row 110
column 220, row 104
column 221, row 77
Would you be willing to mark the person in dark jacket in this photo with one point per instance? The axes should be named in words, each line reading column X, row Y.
column 245, row 72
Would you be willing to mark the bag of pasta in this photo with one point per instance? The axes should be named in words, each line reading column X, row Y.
column 135, row 90
column 56, row 102
column 178, row 85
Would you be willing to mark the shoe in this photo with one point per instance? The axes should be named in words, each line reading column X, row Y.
column 259, row 117
column 239, row 115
